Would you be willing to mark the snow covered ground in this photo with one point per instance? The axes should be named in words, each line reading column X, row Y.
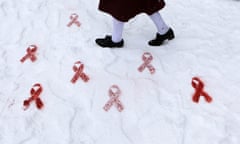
column 158, row 108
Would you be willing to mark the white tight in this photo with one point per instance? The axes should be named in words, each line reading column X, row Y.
column 159, row 23
column 117, row 30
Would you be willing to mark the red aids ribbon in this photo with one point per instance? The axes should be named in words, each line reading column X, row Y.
column 31, row 52
column 114, row 98
column 78, row 69
column 147, row 58
column 35, row 94
column 199, row 85
column 74, row 20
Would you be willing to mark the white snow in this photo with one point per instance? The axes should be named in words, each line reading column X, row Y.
column 158, row 108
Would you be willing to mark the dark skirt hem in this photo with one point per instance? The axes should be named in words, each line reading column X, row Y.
column 125, row 15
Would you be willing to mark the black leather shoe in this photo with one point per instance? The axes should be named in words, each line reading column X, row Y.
column 107, row 42
column 169, row 35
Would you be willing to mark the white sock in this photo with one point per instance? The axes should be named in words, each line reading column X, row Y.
column 117, row 30
column 162, row 27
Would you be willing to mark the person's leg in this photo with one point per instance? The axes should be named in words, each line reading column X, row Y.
column 162, row 27
column 164, row 32
column 115, row 40
column 117, row 30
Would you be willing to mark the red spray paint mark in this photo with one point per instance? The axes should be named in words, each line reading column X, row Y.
column 35, row 94
column 114, row 94
column 31, row 53
column 78, row 69
column 199, row 85
column 147, row 58
column 74, row 20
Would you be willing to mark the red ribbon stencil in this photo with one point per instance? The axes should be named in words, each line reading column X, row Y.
column 78, row 69
column 147, row 58
column 114, row 93
column 31, row 53
column 35, row 94
column 74, row 20
column 199, row 85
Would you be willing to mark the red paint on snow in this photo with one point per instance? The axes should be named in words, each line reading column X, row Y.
column 147, row 58
column 74, row 20
column 114, row 94
column 78, row 69
column 199, row 85
column 31, row 53
column 35, row 94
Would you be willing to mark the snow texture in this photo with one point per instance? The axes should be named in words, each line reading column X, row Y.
column 158, row 108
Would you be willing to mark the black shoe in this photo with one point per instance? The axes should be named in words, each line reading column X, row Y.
column 107, row 42
column 169, row 35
